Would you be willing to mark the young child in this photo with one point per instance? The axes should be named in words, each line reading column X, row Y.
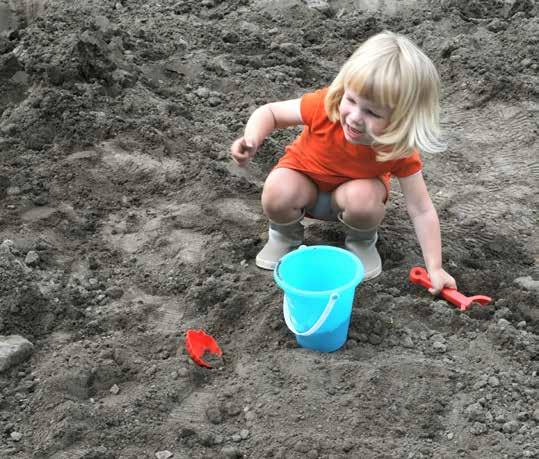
column 371, row 123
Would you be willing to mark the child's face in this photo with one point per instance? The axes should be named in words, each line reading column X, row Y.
column 360, row 117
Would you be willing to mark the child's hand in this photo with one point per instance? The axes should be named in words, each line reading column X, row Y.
column 242, row 150
column 440, row 279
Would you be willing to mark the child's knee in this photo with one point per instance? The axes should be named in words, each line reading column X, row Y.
column 362, row 198
column 276, row 198
column 287, row 191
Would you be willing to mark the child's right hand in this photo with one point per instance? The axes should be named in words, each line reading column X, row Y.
column 242, row 150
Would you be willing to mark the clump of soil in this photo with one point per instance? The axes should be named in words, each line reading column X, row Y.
column 123, row 223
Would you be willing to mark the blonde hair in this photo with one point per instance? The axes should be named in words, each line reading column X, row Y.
column 389, row 70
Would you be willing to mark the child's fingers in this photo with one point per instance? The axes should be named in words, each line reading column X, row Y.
column 242, row 150
column 239, row 156
column 241, row 146
column 250, row 146
column 241, row 160
column 441, row 282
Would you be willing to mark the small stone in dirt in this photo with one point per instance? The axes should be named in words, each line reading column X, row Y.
column 202, row 92
column 481, row 383
column 439, row 347
column 450, row 436
column 183, row 372
column 362, row 337
column 32, row 258
column 206, row 439
column 114, row 292
column 15, row 436
column 231, row 452
column 13, row 191
column 214, row 415
column 236, row 438
column 163, row 454
column 322, row 6
column 479, row 428
column 244, row 433
column 527, row 283
column 14, row 349
column 41, row 199
column 510, row 427
column 493, row 381
column 474, row 412
column 407, row 341
column 233, row 409
column 115, row 389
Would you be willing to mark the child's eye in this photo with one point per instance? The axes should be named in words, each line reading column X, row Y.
column 376, row 115
column 349, row 99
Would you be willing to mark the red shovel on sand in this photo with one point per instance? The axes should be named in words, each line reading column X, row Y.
column 420, row 276
column 198, row 343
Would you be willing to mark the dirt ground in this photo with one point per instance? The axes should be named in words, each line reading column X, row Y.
column 123, row 223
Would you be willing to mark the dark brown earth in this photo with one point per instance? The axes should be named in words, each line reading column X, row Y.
column 124, row 223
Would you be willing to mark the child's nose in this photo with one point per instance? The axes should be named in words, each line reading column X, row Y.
column 357, row 116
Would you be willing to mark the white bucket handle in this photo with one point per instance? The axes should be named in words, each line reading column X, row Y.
column 286, row 312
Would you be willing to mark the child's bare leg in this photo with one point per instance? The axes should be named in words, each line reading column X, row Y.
column 361, row 202
column 286, row 193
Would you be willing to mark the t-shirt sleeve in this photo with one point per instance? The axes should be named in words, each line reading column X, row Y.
column 310, row 104
column 408, row 166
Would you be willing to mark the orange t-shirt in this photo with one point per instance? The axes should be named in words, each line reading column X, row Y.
column 322, row 152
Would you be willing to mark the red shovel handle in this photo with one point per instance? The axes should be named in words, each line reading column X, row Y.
column 420, row 276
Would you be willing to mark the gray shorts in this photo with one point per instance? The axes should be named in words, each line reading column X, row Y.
column 322, row 209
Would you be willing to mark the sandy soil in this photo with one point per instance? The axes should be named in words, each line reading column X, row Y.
column 123, row 224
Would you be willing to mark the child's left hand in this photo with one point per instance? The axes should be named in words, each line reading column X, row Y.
column 440, row 279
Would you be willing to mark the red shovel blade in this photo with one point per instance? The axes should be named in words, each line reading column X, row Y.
column 420, row 276
column 197, row 343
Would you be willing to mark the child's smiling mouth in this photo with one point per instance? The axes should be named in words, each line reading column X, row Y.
column 354, row 133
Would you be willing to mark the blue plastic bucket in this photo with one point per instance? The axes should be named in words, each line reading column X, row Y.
column 319, row 284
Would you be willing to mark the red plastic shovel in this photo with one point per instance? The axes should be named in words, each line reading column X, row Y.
column 420, row 276
column 197, row 343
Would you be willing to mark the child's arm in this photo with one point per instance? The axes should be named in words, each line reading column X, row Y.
column 427, row 228
column 261, row 124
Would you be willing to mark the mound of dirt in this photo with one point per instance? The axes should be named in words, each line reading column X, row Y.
column 123, row 224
